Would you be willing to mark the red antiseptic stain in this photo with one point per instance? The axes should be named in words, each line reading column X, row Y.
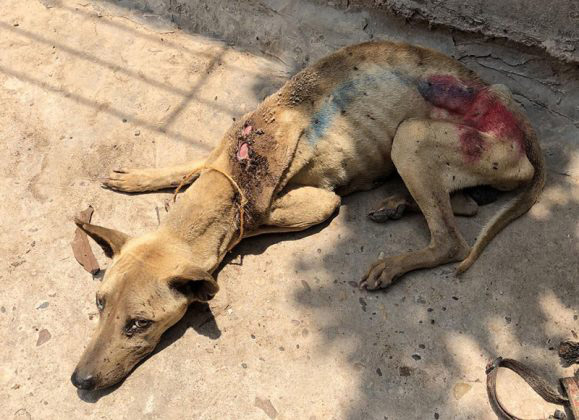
column 243, row 152
column 474, row 106
column 490, row 115
column 472, row 144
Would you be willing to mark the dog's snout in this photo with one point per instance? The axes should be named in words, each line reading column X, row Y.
column 86, row 382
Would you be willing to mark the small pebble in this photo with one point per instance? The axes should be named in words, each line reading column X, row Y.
column 244, row 365
column 43, row 336
column 363, row 303
column 379, row 372
column 42, row 305
column 137, row 133
column 416, row 356
column 404, row 371
column 419, row 299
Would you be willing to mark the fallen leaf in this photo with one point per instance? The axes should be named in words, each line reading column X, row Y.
column 267, row 407
column 460, row 389
column 80, row 246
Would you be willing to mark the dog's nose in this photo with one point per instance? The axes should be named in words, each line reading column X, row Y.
column 83, row 382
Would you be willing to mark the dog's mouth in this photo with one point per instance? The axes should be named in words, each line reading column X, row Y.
column 88, row 380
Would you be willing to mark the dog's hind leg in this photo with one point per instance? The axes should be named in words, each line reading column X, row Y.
column 396, row 205
column 297, row 209
column 435, row 158
column 150, row 179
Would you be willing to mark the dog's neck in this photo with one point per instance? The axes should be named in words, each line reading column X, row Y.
column 205, row 218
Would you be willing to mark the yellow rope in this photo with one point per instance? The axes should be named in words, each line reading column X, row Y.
column 241, row 205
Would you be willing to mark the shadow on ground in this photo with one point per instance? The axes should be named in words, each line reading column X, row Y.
column 429, row 336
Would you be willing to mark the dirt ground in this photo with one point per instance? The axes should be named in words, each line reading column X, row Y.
column 86, row 87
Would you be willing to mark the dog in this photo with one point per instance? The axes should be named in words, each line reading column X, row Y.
column 362, row 113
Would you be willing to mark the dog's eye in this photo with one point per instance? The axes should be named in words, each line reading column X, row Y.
column 142, row 323
column 136, row 325
column 100, row 303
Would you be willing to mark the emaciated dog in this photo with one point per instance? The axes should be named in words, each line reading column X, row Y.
column 358, row 115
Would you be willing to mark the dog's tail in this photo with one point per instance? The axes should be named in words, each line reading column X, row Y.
column 516, row 207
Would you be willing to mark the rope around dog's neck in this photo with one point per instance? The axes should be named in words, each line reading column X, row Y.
column 240, row 205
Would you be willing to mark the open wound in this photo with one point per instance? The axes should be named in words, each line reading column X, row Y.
column 243, row 151
column 244, row 143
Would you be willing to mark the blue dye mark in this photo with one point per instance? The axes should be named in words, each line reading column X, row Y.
column 344, row 95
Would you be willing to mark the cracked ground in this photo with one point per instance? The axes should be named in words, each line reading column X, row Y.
column 88, row 86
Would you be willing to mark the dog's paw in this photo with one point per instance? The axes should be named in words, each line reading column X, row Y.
column 379, row 276
column 125, row 180
column 383, row 214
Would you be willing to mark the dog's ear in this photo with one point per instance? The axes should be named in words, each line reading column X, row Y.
column 110, row 240
column 195, row 284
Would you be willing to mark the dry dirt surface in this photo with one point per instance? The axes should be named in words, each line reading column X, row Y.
column 86, row 87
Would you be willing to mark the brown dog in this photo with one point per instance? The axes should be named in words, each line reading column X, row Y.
column 359, row 114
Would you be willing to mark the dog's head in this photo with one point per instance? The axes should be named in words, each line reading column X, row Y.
column 146, row 289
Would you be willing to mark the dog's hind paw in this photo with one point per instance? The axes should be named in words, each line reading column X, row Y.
column 384, row 214
column 379, row 276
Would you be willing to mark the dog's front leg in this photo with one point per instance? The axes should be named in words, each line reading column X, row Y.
column 297, row 209
column 150, row 179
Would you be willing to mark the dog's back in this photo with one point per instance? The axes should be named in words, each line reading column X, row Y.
column 354, row 101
